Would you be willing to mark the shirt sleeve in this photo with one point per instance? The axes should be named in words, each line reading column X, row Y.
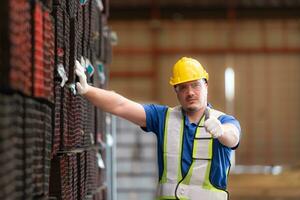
column 224, row 119
column 155, row 115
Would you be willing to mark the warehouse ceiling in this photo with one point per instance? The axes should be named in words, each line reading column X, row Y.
column 143, row 9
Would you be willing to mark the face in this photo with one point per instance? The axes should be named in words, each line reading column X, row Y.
column 192, row 95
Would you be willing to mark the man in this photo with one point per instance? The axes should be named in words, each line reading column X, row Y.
column 194, row 141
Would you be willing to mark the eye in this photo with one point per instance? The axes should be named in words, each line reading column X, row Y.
column 196, row 85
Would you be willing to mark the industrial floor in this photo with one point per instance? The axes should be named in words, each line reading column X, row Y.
column 285, row 186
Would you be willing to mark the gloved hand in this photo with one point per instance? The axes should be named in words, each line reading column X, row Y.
column 214, row 127
column 82, row 86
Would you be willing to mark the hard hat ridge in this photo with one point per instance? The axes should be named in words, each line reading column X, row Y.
column 187, row 69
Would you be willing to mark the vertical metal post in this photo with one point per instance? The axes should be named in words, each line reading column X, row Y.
column 114, row 157
column 111, row 157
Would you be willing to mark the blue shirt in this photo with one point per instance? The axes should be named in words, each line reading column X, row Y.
column 155, row 119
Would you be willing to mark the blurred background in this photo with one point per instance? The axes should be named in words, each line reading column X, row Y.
column 54, row 144
column 257, row 42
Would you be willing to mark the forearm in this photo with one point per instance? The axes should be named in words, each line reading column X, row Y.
column 106, row 100
column 116, row 104
column 109, row 101
column 230, row 136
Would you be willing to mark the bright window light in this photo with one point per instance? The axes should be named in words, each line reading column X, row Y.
column 229, row 84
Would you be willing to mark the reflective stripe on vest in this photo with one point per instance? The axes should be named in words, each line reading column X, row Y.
column 195, row 185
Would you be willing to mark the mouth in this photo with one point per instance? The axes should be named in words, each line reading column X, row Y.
column 191, row 100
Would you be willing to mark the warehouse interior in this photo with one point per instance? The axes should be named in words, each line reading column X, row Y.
column 55, row 144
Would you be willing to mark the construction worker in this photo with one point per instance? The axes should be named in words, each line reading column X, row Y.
column 194, row 140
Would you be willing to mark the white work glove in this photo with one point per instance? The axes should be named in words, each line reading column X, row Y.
column 214, row 127
column 82, row 86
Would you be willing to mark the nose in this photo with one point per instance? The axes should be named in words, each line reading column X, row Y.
column 190, row 91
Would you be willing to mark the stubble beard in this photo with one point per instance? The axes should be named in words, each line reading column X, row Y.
column 195, row 108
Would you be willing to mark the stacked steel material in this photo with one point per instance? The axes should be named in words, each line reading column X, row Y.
column 58, row 90
column 48, row 4
column 59, row 34
column 90, row 125
column 38, row 51
column 48, row 37
column 72, row 7
column 43, row 123
column 76, row 117
column 34, row 131
column 15, row 56
column 48, row 130
column 11, row 147
column 72, row 130
column 65, row 114
column 66, row 27
column 60, row 3
column 73, row 175
column 73, row 50
column 86, row 29
column 91, row 171
column 95, row 28
column 81, row 165
column 38, row 136
column 56, row 141
column 67, row 180
column 78, row 25
column 24, row 127
column 59, row 178
column 18, row 132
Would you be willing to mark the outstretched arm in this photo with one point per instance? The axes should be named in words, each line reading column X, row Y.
column 226, row 133
column 110, row 101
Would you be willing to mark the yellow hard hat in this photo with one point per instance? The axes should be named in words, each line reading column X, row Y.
column 187, row 69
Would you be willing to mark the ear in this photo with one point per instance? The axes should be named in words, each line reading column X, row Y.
column 174, row 87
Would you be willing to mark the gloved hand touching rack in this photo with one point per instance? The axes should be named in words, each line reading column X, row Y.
column 82, row 86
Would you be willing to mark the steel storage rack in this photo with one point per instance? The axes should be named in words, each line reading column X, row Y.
column 52, row 139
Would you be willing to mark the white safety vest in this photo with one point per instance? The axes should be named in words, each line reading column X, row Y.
column 196, row 184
